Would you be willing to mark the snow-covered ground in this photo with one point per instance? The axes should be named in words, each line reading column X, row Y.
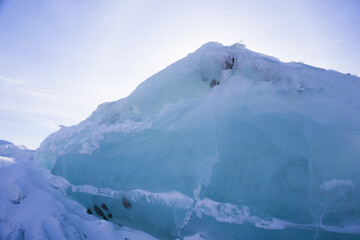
column 223, row 144
column 34, row 205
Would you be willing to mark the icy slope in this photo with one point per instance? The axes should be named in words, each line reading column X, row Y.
column 10, row 150
column 34, row 204
column 225, row 143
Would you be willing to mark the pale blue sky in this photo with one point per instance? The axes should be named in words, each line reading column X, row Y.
column 59, row 59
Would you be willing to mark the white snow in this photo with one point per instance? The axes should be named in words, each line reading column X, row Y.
column 6, row 161
column 334, row 183
column 34, row 205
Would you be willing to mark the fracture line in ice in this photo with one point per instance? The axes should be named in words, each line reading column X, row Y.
column 334, row 183
column 222, row 212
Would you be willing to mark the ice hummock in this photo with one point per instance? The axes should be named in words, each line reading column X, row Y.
column 272, row 151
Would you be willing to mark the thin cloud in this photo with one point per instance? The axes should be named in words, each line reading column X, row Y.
column 24, row 88
column 10, row 81
column 38, row 94
column 49, row 124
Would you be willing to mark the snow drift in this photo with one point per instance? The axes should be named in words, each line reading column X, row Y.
column 34, row 204
column 226, row 144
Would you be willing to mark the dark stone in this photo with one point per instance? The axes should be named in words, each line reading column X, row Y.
column 104, row 206
column 105, row 218
column 213, row 83
column 127, row 204
column 89, row 211
column 229, row 63
column 98, row 211
column 109, row 215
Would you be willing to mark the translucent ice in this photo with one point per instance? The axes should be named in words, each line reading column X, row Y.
column 271, row 151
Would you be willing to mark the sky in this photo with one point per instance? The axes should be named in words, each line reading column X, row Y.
column 59, row 59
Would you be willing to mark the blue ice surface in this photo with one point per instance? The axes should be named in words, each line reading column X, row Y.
column 272, row 152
